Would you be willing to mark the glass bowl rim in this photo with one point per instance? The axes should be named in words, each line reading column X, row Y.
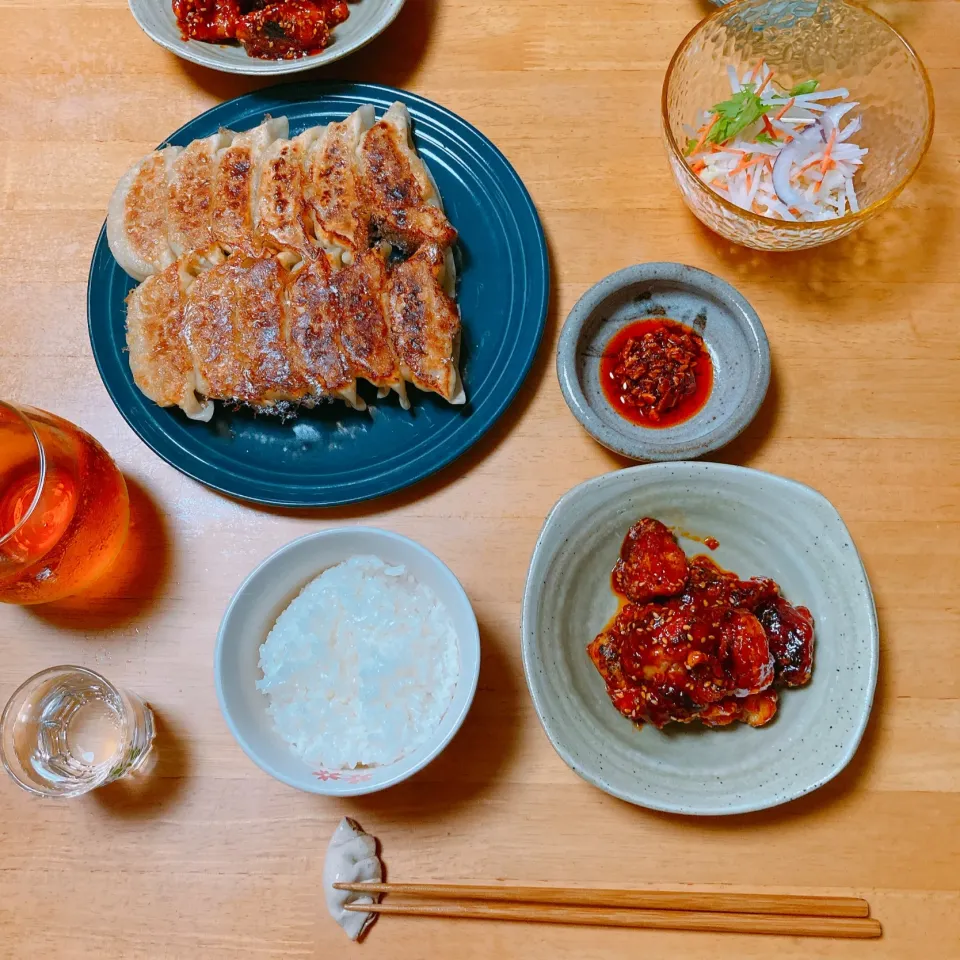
column 802, row 226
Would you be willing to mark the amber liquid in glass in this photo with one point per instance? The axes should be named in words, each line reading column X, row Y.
column 79, row 524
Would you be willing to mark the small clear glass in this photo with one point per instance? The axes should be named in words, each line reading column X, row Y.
column 68, row 730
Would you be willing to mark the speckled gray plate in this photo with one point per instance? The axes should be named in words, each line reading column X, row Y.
column 368, row 19
column 730, row 328
column 765, row 525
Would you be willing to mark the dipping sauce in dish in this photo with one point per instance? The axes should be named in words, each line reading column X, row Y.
column 656, row 372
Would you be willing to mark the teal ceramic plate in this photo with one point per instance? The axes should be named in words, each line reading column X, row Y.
column 332, row 454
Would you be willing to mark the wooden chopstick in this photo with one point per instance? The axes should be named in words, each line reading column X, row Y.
column 840, row 927
column 759, row 903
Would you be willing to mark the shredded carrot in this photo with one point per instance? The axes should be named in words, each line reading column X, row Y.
column 745, row 173
column 706, row 133
column 807, row 166
column 743, row 164
column 831, row 163
column 786, row 107
column 825, row 165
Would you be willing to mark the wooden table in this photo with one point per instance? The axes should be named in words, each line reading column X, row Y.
column 217, row 860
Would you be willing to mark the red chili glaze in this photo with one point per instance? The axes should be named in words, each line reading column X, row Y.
column 643, row 415
column 652, row 563
column 790, row 630
column 667, row 661
column 278, row 30
column 692, row 641
column 711, row 542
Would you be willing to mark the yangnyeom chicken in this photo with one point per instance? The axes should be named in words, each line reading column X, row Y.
column 695, row 642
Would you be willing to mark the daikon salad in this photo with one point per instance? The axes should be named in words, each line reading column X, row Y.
column 781, row 153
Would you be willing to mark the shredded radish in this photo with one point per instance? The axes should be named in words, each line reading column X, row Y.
column 795, row 162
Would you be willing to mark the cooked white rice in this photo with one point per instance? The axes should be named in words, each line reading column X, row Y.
column 361, row 667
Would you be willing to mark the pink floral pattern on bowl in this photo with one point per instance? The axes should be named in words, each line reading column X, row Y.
column 346, row 776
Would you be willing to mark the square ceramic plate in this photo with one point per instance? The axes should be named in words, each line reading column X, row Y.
column 766, row 525
column 368, row 19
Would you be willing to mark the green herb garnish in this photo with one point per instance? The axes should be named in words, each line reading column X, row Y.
column 808, row 86
column 764, row 137
column 736, row 114
column 691, row 146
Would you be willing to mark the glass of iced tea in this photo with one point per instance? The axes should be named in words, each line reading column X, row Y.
column 64, row 509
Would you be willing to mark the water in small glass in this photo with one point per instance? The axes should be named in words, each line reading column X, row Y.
column 69, row 730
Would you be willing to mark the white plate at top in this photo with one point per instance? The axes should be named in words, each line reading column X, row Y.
column 368, row 19
column 766, row 525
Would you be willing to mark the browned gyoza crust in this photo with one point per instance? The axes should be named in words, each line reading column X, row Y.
column 364, row 334
column 424, row 323
column 334, row 185
column 236, row 184
column 233, row 322
column 249, row 330
column 146, row 210
column 284, row 220
column 233, row 197
column 395, row 198
column 190, row 198
column 313, row 321
column 160, row 360
column 281, row 299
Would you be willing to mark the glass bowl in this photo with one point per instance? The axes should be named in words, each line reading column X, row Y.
column 839, row 43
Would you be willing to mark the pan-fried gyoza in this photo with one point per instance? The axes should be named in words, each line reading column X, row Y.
column 270, row 271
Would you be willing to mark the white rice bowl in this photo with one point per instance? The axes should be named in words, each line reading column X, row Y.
column 252, row 615
column 361, row 667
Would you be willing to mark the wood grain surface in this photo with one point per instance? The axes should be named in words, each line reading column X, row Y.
column 211, row 858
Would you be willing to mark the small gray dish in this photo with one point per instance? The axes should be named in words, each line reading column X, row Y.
column 731, row 331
